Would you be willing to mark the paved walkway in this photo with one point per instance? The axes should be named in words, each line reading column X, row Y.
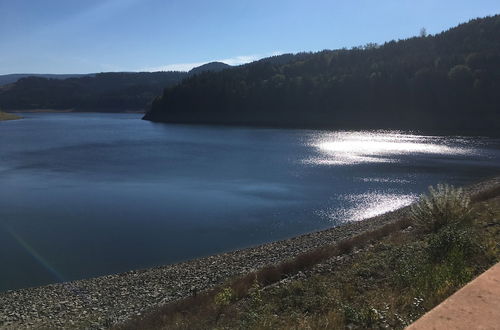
column 475, row 306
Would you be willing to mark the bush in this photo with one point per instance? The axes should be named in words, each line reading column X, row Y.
column 444, row 205
column 224, row 297
column 451, row 241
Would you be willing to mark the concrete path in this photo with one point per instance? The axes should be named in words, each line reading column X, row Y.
column 475, row 306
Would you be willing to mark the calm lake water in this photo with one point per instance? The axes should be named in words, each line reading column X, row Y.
column 84, row 195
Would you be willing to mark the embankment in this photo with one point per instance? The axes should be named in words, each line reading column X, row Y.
column 104, row 301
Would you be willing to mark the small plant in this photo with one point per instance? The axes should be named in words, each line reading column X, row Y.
column 364, row 317
column 224, row 297
column 443, row 205
column 255, row 293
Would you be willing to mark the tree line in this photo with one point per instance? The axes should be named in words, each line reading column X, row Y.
column 109, row 91
column 450, row 80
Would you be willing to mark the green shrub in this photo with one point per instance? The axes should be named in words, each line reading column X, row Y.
column 443, row 205
column 224, row 297
column 449, row 242
column 363, row 317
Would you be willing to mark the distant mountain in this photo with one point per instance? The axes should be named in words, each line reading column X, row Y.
column 212, row 66
column 447, row 81
column 12, row 78
column 109, row 92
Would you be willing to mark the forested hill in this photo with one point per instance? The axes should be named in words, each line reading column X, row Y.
column 447, row 81
column 111, row 91
column 212, row 66
column 12, row 78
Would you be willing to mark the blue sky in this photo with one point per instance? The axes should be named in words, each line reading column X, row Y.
column 70, row 36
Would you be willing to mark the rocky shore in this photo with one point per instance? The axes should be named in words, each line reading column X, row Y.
column 101, row 302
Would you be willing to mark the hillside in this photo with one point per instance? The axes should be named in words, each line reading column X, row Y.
column 212, row 66
column 102, row 92
column 110, row 92
column 446, row 81
column 12, row 78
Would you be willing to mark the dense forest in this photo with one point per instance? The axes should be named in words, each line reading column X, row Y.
column 450, row 80
column 12, row 78
column 112, row 91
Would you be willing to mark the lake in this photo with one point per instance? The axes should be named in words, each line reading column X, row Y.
column 84, row 195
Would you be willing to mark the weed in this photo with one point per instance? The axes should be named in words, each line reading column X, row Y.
column 224, row 297
column 443, row 205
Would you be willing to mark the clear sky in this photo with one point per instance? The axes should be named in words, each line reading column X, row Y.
column 73, row 36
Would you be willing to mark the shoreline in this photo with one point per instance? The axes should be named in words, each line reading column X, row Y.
column 103, row 301
column 143, row 112
column 73, row 111
column 428, row 131
column 6, row 116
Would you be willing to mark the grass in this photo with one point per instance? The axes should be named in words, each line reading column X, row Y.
column 8, row 116
column 385, row 278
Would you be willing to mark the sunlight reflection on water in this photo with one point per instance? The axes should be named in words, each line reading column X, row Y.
column 367, row 205
column 349, row 148
column 384, row 180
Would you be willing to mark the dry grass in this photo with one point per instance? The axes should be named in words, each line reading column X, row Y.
column 486, row 194
column 8, row 116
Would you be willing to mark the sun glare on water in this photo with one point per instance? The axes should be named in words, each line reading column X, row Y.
column 357, row 207
column 353, row 148
column 348, row 148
